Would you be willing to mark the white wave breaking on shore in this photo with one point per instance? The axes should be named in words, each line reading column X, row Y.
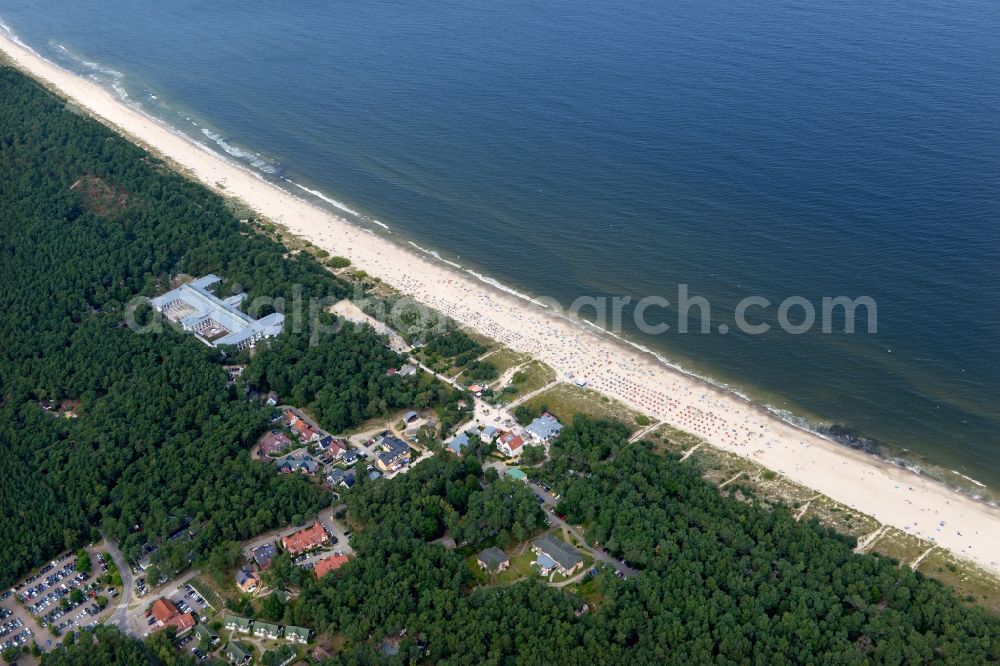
column 434, row 253
column 260, row 165
column 253, row 158
column 338, row 204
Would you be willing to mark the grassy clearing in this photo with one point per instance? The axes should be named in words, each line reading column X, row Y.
column 520, row 567
column 770, row 487
column 531, row 377
column 973, row 585
column 505, row 359
column 565, row 400
column 669, row 438
column 840, row 517
column 900, row 546
column 209, row 590
column 719, row 466
column 588, row 590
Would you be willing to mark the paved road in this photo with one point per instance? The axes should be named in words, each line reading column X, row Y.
column 446, row 380
column 325, row 516
column 598, row 554
column 303, row 417
column 120, row 616
column 335, row 528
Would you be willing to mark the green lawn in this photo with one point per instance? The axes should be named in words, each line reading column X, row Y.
column 565, row 400
column 900, row 546
column 505, row 359
column 531, row 377
column 973, row 584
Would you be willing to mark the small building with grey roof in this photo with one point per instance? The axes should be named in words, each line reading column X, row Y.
column 493, row 559
column 565, row 557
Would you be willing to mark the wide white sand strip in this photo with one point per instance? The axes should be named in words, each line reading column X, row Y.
column 892, row 495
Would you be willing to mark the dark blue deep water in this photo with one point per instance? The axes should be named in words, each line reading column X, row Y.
column 574, row 147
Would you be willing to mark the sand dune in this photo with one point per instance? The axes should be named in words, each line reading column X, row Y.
column 892, row 495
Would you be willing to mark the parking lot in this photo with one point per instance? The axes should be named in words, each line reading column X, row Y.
column 184, row 595
column 13, row 631
column 52, row 601
column 338, row 541
column 188, row 599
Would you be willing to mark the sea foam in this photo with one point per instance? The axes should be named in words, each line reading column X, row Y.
column 254, row 159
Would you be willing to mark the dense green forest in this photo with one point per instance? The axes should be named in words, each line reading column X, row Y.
column 89, row 221
column 722, row 580
column 107, row 645
column 339, row 386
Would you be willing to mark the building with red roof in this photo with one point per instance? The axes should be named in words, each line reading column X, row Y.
column 305, row 431
column 163, row 609
column 307, row 539
column 510, row 444
column 273, row 442
column 328, row 564
column 167, row 615
column 183, row 622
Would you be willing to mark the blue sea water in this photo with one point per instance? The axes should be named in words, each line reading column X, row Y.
column 567, row 148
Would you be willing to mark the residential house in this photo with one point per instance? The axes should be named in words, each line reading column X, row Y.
column 510, row 444
column 342, row 478
column 458, row 442
column 493, row 559
column 395, row 454
column 246, row 580
column 335, row 447
column 328, row 564
column 307, row 539
column 543, row 429
column 556, row 554
column 297, row 634
column 68, row 408
column 349, row 457
column 204, row 633
column 302, row 463
column 262, row 555
column 407, row 371
column 545, row 564
column 182, row 622
column 233, row 372
column 263, row 629
column 238, row 653
column 488, row 434
column 273, row 442
column 272, row 399
column 237, row 623
column 305, row 431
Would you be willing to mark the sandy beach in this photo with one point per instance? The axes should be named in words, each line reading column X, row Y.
column 892, row 495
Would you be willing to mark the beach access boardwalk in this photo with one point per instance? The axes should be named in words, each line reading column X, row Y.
column 914, row 504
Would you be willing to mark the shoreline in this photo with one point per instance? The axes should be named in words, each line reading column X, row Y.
column 915, row 504
column 271, row 169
